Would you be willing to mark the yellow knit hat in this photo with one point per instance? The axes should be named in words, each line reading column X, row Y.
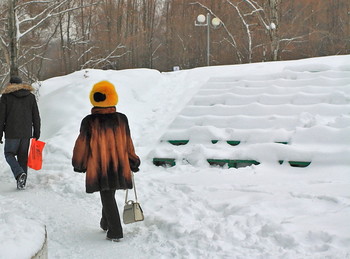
column 103, row 94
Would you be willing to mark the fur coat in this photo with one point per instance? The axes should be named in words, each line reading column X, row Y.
column 105, row 151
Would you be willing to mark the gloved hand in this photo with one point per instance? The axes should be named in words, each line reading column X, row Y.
column 135, row 169
column 1, row 141
column 134, row 165
column 36, row 135
column 79, row 170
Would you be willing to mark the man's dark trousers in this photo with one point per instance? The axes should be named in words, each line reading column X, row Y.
column 16, row 155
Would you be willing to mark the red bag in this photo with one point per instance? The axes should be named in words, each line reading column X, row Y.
column 35, row 158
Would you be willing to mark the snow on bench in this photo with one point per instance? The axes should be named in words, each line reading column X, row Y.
column 299, row 116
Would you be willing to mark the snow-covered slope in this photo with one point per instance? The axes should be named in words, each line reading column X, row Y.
column 193, row 210
column 294, row 114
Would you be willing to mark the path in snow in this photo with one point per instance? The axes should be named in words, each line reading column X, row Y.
column 196, row 213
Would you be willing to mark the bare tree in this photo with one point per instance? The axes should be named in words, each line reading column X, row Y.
column 268, row 19
column 29, row 33
column 20, row 28
column 117, row 34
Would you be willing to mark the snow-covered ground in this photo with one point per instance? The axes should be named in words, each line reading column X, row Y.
column 192, row 210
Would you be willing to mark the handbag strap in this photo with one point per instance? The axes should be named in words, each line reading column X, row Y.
column 127, row 190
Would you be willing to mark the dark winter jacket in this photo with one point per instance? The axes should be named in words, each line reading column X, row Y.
column 105, row 151
column 19, row 114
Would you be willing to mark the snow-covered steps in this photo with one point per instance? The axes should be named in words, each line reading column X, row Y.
column 298, row 116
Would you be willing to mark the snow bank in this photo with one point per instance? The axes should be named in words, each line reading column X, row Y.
column 20, row 237
column 193, row 210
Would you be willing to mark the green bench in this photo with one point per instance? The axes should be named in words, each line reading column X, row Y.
column 214, row 141
column 164, row 161
column 231, row 163
column 297, row 163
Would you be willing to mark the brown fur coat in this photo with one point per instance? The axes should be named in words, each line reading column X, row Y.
column 105, row 151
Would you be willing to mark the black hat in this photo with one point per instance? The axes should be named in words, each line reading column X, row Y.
column 15, row 80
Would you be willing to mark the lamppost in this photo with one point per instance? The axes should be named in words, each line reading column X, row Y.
column 205, row 21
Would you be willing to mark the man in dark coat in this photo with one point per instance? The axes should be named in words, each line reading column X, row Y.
column 20, row 120
column 105, row 151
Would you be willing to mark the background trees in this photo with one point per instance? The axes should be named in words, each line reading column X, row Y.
column 41, row 39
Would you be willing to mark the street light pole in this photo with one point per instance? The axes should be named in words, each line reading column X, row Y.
column 205, row 21
column 208, row 39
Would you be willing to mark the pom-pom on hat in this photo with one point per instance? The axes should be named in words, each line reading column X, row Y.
column 103, row 94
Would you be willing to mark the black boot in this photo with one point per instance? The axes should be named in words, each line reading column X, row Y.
column 21, row 181
column 103, row 224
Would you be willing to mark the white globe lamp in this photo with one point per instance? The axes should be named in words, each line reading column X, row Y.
column 201, row 18
column 215, row 22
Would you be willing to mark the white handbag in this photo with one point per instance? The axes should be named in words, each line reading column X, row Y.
column 132, row 210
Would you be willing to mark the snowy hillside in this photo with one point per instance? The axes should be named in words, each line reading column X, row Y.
column 194, row 210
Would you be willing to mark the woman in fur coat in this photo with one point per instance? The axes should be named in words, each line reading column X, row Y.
column 105, row 151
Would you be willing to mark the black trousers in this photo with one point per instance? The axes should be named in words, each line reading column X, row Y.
column 110, row 214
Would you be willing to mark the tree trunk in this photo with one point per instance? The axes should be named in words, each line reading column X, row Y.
column 274, row 24
column 12, row 30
